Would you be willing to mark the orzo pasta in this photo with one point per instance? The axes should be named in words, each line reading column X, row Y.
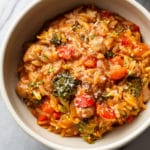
column 87, row 72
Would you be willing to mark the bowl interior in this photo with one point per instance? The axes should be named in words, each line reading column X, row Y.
column 26, row 29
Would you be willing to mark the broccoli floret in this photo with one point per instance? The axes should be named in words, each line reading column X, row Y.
column 65, row 86
column 135, row 85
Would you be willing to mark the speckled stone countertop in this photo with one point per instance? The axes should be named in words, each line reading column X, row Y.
column 12, row 137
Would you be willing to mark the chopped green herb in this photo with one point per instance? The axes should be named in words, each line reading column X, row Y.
column 120, row 29
column 51, row 69
column 87, row 130
column 64, row 85
column 106, row 95
column 33, row 85
column 86, row 126
column 81, row 126
column 56, row 39
column 114, row 34
column 76, row 26
column 109, row 54
column 36, row 84
column 43, row 57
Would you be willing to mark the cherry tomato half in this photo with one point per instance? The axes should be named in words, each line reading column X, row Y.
column 47, row 108
column 118, row 73
column 105, row 112
column 56, row 115
column 42, row 118
column 89, row 62
column 117, row 60
column 84, row 101
column 65, row 52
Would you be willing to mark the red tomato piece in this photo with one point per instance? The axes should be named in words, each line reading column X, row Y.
column 90, row 62
column 105, row 112
column 130, row 119
column 84, row 101
column 118, row 73
column 125, row 42
column 56, row 115
column 117, row 61
column 46, row 107
column 42, row 118
column 135, row 28
column 65, row 52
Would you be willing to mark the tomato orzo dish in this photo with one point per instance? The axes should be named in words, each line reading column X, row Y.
column 87, row 72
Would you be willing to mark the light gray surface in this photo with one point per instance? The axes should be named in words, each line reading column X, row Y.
column 12, row 137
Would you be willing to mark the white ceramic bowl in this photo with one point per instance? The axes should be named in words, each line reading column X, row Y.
column 23, row 29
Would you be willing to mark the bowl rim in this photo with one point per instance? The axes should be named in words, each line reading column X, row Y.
column 20, row 122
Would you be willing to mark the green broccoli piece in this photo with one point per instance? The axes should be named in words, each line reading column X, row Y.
column 65, row 86
column 134, row 85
